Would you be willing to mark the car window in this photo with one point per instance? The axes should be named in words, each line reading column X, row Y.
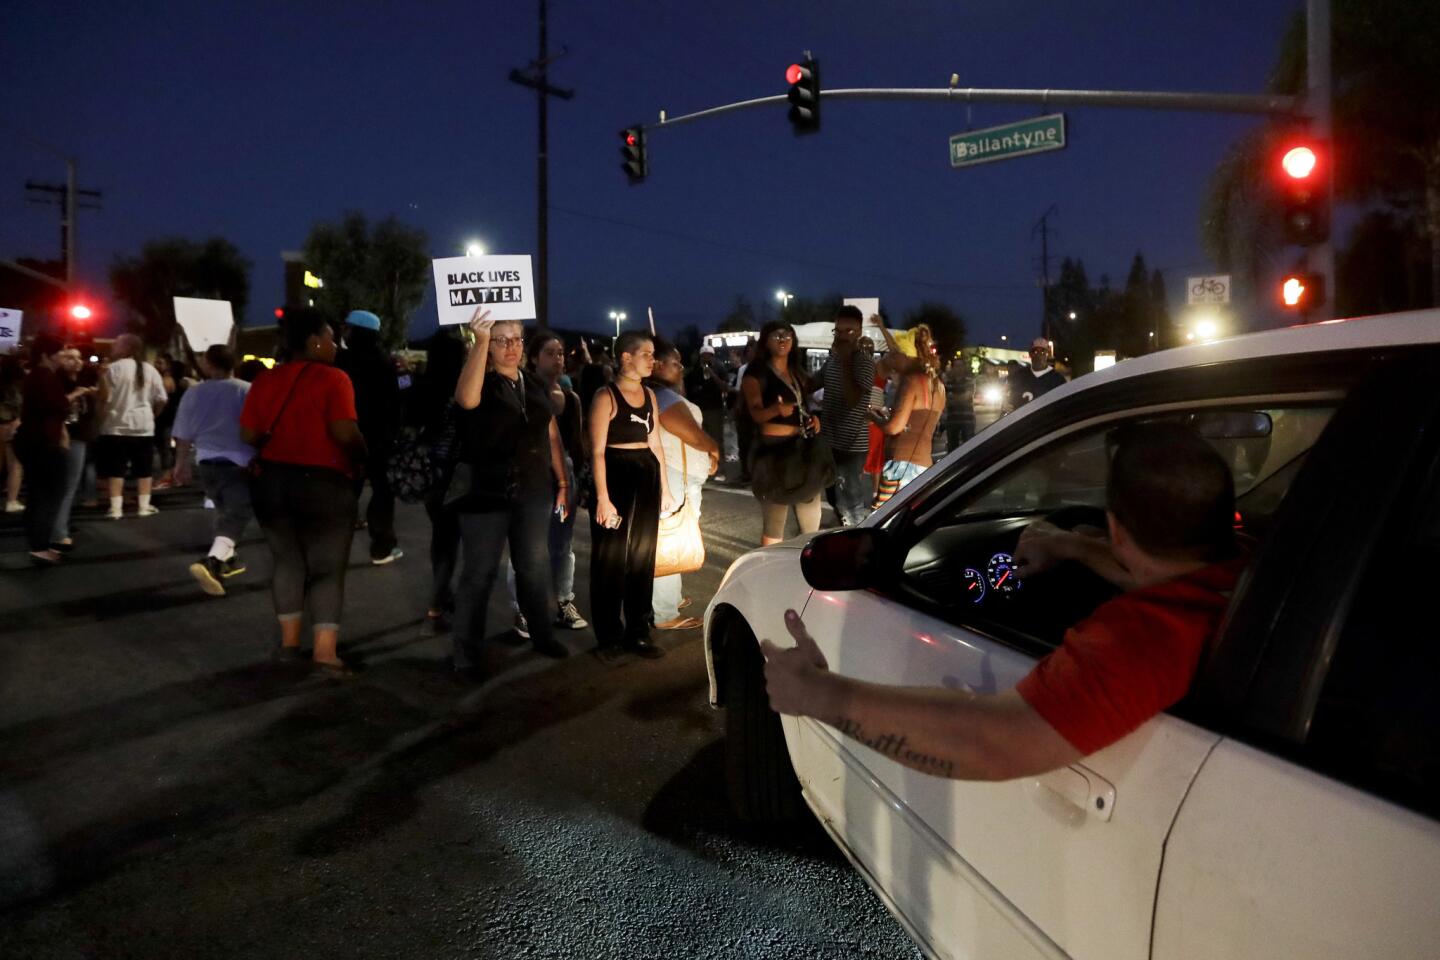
column 1377, row 721
column 958, row 564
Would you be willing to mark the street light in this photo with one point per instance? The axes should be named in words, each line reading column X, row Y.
column 784, row 298
column 619, row 318
column 474, row 249
column 1072, row 314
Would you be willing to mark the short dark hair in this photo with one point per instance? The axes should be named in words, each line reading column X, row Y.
column 220, row 357
column 1172, row 492
column 45, row 345
column 630, row 340
column 298, row 326
column 850, row 312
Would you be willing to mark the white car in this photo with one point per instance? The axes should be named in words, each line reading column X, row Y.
column 1287, row 808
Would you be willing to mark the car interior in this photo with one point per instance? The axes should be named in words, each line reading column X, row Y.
column 960, row 563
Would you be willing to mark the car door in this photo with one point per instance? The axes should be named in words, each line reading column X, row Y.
column 1060, row 865
column 1313, row 829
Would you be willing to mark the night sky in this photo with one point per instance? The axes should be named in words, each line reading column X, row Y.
column 254, row 120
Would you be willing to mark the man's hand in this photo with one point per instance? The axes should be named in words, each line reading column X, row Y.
column 714, row 463
column 796, row 678
column 1042, row 545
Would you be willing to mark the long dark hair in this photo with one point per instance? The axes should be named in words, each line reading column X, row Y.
column 762, row 352
column 538, row 341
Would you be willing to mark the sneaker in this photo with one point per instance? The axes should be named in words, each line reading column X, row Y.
column 522, row 629
column 208, row 572
column 149, row 511
column 232, row 567
column 14, row 506
column 395, row 554
column 435, row 626
column 114, row 514
column 569, row 617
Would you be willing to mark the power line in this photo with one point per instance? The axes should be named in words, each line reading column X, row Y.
column 774, row 255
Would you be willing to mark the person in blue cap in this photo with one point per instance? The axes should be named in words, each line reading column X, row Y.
column 377, row 401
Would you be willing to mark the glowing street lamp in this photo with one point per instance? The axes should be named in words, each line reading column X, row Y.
column 474, row 249
column 784, row 298
column 619, row 318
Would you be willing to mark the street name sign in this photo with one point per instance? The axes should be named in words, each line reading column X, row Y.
column 1020, row 139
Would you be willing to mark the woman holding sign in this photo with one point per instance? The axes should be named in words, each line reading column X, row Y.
column 509, row 479
column 631, row 490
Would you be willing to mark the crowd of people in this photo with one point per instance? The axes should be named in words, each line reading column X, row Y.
column 512, row 437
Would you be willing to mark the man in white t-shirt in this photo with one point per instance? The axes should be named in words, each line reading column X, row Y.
column 131, row 394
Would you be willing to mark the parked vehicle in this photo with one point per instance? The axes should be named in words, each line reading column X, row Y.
column 1289, row 807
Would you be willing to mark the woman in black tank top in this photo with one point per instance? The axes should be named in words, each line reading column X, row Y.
column 630, row 491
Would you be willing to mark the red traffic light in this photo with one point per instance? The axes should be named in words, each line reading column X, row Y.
column 794, row 73
column 78, row 311
column 279, row 313
column 1302, row 292
column 1298, row 162
column 631, row 139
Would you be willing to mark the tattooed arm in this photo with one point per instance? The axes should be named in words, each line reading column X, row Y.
column 943, row 732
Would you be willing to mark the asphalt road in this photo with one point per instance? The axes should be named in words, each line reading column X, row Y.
column 165, row 790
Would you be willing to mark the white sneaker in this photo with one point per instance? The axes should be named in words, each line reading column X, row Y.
column 395, row 554
column 114, row 515
column 14, row 506
column 149, row 511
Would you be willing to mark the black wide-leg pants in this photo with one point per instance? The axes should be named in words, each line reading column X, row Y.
column 622, row 561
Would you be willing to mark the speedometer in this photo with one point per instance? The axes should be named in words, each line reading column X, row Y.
column 1001, row 574
column 974, row 583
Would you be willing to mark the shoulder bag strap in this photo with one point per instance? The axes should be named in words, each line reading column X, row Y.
column 275, row 421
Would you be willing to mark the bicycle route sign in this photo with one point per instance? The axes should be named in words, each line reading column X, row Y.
column 1020, row 139
column 1207, row 290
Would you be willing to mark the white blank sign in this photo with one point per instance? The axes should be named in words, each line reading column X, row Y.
column 205, row 322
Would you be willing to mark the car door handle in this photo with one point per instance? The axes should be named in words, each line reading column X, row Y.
column 1081, row 788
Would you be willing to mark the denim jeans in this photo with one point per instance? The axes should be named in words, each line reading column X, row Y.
column 308, row 515
column 853, row 489
column 562, row 554
column 228, row 486
column 483, row 536
column 74, row 470
column 665, row 600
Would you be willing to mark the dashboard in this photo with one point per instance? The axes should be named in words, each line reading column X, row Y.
column 998, row 580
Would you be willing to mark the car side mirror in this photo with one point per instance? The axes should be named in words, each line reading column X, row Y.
column 852, row 559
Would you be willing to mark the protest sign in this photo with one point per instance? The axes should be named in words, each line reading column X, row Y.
column 869, row 307
column 205, row 322
column 500, row 284
column 10, row 329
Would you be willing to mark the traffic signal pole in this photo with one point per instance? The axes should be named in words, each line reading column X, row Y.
column 1320, row 259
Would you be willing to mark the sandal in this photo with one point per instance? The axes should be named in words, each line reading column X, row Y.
column 679, row 623
column 334, row 671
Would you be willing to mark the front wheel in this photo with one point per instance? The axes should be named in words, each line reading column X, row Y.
column 759, row 777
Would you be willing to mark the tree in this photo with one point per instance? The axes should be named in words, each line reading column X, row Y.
column 947, row 326
column 1381, row 269
column 1386, row 132
column 384, row 269
column 740, row 319
column 176, row 267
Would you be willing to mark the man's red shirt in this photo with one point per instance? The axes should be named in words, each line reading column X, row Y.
column 1132, row 658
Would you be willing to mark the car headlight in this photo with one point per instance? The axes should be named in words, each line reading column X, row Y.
column 992, row 395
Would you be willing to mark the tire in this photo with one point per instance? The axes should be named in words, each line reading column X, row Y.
column 759, row 778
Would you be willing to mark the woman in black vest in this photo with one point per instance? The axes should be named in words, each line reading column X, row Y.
column 630, row 491
column 511, row 475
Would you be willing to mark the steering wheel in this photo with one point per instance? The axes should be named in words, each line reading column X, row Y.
column 1069, row 592
column 1077, row 515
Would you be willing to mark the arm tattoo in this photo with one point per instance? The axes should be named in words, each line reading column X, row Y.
column 894, row 746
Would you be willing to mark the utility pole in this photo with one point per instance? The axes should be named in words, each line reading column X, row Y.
column 535, row 76
column 1043, row 226
column 67, row 197
column 1321, row 257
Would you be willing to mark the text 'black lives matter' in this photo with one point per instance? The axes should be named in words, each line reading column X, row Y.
column 464, row 296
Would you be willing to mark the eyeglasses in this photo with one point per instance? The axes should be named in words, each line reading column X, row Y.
column 505, row 343
column 781, row 337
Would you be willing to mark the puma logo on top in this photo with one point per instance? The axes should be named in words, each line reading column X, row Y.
column 643, row 421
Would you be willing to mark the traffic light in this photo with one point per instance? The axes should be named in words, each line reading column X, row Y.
column 279, row 313
column 804, row 80
column 636, row 164
column 79, row 312
column 1302, row 292
column 1305, row 193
